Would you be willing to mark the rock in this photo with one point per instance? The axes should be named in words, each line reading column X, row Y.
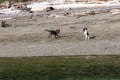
column 48, row 9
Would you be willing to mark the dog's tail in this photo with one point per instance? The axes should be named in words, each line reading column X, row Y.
column 47, row 30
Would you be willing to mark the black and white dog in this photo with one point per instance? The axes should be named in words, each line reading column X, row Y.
column 86, row 34
column 54, row 32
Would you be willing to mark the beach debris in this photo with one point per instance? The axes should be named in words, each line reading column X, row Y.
column 48, row 9
column 4, row 24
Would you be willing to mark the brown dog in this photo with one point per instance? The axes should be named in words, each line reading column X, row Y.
column 54, row 32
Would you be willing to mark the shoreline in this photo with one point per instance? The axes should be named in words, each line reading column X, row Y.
column 61, row 11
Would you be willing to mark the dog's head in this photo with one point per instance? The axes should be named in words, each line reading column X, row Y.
column 58, row 31
column 84, row 29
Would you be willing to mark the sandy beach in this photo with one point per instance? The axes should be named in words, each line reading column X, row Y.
column 27, row 37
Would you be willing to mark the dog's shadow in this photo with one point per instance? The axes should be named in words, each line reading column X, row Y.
column 92, row 37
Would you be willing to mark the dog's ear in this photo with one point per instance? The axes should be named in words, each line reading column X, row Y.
column 83, row 29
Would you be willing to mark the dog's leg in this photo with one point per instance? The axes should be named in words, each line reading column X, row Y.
column 50, row 35
column 58, row 36
column 55, row 36
column 88, row 37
